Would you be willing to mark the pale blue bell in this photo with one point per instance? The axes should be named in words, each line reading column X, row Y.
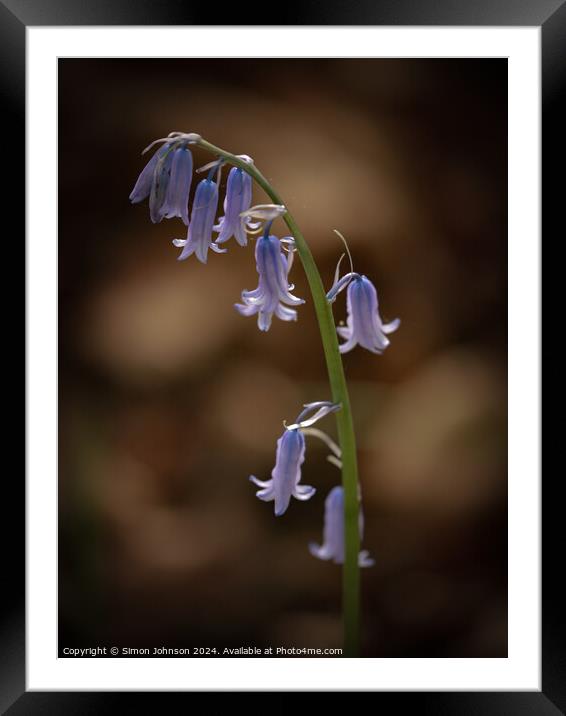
column 289, row 456
column 364, row 325
column 166, row 179
column 177, row 197
column 199, row 235
column 332, row 547
column 286, row 474
column 144, row 183
column 237, row 200
column 273, row 289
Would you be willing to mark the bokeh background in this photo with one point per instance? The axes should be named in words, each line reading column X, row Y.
column 168, row 399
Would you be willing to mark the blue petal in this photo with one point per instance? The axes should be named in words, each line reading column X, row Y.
column 238, row 199
column 287, row 471
column 145, row 180
column 273, row 288
column 199, row 236
column 333, row 532
column 177, row 199
column 158, row 193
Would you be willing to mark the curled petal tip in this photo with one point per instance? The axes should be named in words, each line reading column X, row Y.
column 214, row 246
column 318, row 551
column 364, row 560
column 266, row 212
column 304, row 492
column 392, row 325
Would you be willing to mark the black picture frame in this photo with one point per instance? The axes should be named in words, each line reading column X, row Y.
column 15, row 16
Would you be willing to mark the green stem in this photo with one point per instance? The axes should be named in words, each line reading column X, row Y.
column 337, row 379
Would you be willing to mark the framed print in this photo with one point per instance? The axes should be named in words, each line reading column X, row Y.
column 282, row 403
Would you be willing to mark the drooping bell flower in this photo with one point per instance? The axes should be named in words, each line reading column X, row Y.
column 286, row 474
column 166, row 178
column 290, row 455
column 273, row 290
column 144, row 183
column 159, row 187
column 177, row 196
column 203, row 212
column 238, row 199
column 332, row 547
column 364, row 325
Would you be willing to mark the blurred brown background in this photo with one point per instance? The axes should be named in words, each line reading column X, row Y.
column 169, row 399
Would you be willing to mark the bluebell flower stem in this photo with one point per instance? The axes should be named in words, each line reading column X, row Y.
column 339, row 389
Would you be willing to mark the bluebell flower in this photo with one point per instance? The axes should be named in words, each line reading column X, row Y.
column 333, row 532
column 273, row 290
column 286, row 474
column 159, row 187
column 199, row 235
column 238, row 199
column 177, row 196
column 290, row 455
column 364, row 325
column 144, row 183
column 166, row 178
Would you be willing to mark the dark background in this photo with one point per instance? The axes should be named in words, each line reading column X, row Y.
column 169, row 399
